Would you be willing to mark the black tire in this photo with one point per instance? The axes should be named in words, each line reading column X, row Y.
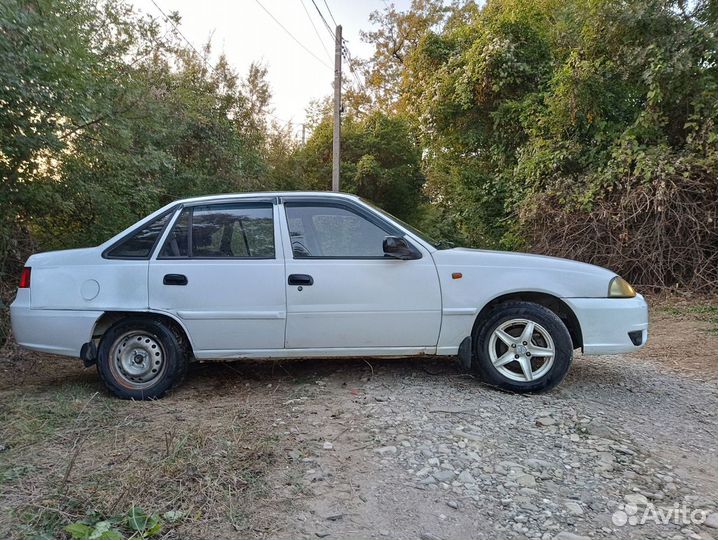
column 546, row 321
column 152, row 337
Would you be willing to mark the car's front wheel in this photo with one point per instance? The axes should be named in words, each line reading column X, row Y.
column 522, row 347
column 141, row 358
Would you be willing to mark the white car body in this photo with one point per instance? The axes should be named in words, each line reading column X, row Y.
column 245, row 308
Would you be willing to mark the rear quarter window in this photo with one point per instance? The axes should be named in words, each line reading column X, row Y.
column 139, row 245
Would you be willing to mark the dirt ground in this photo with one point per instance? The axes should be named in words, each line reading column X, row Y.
column 413, row 449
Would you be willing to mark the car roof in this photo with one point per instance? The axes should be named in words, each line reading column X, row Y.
column 267, row 194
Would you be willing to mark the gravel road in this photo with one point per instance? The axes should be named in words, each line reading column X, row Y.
column 411, row 450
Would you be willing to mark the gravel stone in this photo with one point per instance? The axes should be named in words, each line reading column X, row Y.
column 526, row 480
column 574, row 508
column 444, row 476
column 565, row 535
column 466, row 478
column 712, row 520
column 636, row 499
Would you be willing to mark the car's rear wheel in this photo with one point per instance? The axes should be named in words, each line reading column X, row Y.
column 522, row 347
column 141, row 358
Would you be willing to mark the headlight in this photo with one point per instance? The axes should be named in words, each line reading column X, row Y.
column 620, row 288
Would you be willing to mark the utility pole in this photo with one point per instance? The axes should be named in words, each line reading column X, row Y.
column 337, row 107
column 304, row 131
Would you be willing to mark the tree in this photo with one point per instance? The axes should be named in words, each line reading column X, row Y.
column 397, row 36
column 61, row 63
column 380, row 161
column 105, row 115
column 541, row 119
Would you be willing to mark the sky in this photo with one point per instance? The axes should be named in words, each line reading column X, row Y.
column 246, row 33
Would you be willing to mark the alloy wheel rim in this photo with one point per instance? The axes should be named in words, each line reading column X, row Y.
column 522, row 350
column 137, row 360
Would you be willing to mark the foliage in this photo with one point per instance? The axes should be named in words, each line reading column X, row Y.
column 535, row 115
column 380, row 161
column 104, row 117
column 102, row 530
column 136, row 524
column 193, row 477
column 397, row 35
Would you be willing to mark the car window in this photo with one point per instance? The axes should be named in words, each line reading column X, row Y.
column 177, row 242
column 440, row 244
column 139, row 245
column 222, row 231
column 332, row 231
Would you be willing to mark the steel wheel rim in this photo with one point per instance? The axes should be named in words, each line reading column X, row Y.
column 522, row 350
column 137, row 360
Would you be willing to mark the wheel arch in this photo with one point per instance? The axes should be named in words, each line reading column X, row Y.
column 108, row 318
column 549, row 301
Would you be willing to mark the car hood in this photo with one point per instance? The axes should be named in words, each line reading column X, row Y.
column 485, row 257
column 558, row 276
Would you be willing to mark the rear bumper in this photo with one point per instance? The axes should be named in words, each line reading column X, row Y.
column 607, row 322
column 52, row 331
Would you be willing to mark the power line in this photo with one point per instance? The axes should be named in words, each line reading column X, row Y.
column 182, row 35
column 279, row 120
column 204, row 61
column 345, row 49
column 321, row 41
column 330, row 13
column 347, row 56
column 292, row 36
column 326, row 24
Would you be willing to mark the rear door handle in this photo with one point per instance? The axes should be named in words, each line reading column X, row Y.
column 175, row 279
column 300, row 279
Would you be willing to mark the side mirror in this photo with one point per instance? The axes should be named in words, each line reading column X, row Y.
column 398, row 248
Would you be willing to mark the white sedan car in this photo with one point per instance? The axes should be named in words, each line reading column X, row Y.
column 293, row 275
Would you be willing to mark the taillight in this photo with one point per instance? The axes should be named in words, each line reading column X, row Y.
column 25, row 278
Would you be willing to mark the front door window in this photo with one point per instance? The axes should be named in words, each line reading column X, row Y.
column 329, row 231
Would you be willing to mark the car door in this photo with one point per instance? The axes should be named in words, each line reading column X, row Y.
column 220, row 270
column 344, row 293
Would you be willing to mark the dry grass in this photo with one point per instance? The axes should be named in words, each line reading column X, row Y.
column 72, row 453
column 702, row 311
column 660, row 235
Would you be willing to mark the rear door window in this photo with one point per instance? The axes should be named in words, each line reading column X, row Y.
column 226, row 231
column 177, row 242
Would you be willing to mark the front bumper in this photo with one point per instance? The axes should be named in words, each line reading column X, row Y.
column 607, row 322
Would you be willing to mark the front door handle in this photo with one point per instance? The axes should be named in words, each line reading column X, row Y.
column 175, row 279
column 301, row 279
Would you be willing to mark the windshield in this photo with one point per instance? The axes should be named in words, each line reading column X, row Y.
column 416, row 232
